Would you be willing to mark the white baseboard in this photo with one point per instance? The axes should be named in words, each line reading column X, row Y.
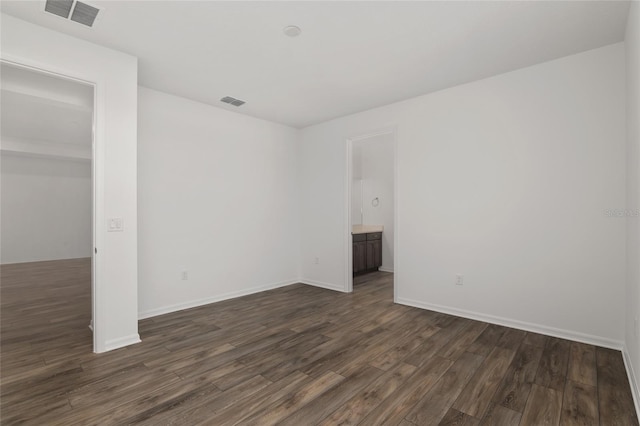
column 633, row 381
column 121, row 342
column 385, row 269
column 207, row 300
column 321, row 284
column 521, row 325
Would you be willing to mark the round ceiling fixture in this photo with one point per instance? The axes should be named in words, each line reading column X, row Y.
column 292, row 31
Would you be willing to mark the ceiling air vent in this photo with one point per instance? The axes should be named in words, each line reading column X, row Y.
column 84, row 14
column 59, row 7
column 77, row 11
column 232, row 101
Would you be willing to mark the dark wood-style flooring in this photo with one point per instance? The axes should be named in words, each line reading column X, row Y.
column 296, row 355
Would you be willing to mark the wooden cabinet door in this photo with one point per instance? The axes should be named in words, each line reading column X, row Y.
column 359, row 256
column 370, row 255
column 377, row 253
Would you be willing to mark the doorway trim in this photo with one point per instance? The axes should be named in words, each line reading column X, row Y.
column 97, row 182
column 388, row 130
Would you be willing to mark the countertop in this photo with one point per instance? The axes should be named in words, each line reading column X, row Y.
column 366, row 229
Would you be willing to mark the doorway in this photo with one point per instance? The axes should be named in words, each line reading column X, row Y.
column 47, row 217
column 371, row 205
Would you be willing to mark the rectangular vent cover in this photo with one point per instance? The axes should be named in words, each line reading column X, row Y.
column 84, row 14
column 232, row 101
column 80, row 12
column 59, row 7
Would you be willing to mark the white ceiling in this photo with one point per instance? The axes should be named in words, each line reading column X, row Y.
column 351, row 56
column 41, row 108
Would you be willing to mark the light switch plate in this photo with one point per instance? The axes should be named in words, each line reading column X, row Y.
column 114, row 224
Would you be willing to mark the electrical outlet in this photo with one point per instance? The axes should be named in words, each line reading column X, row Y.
column 185, row 275
column 459, row 279
column 316, row 261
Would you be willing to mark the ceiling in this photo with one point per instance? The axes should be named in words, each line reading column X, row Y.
column 350, row 57
column 42, row 113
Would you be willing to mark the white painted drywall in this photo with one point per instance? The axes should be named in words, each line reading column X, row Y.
column 115, row 74
column 356, row 185
column 46, row 208
column 373, row 160
column 217, row 198
column 632, row 339
column 356, row 202
column 504, row 180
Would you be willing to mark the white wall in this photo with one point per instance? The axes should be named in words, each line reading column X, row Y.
column 632, row 339
column 115, row 74
column 217, row 198
column 374, row 159
column 46, row 208
column 356, row 184
column 504, row 180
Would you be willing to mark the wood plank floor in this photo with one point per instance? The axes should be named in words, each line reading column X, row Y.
column 297, row 355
